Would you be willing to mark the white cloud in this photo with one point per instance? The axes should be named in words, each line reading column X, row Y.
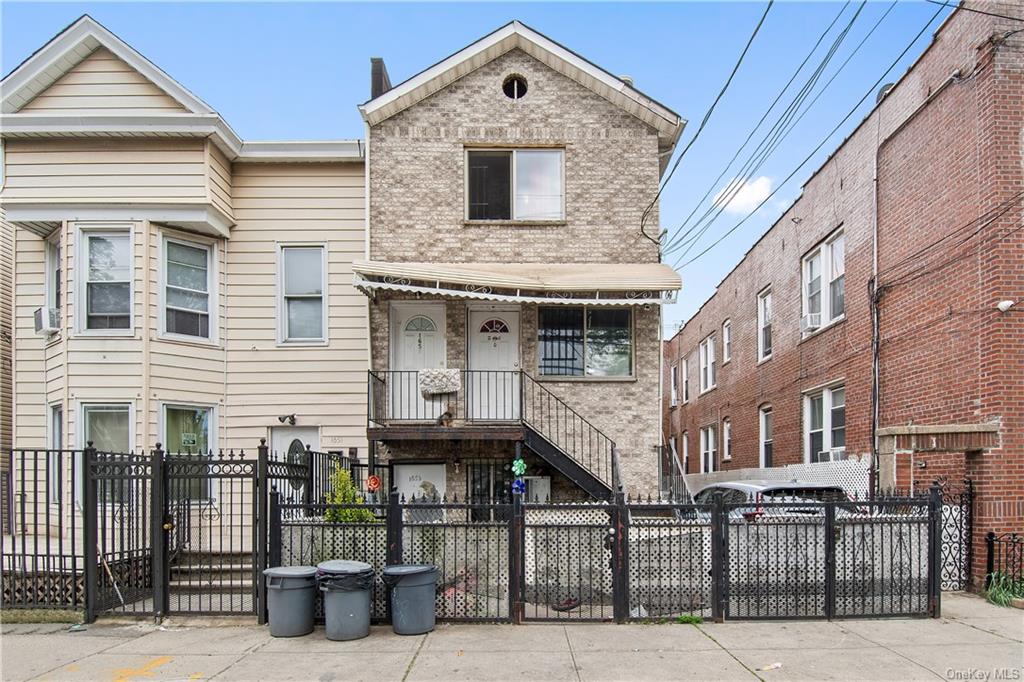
column 746, row 197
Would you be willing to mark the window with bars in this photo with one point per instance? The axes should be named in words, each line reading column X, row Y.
column 591, row 342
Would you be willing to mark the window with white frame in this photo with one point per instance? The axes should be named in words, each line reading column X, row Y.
column 726, row 341
column 515, row 184
column 53, row 273
column 188, row 283
column 764, row 325
column 707, row 364
column 686, row 381
column 824, row 274
column 302, row 309
column 765, row 437
column 106, row 280
column 55, row 467
column 726, row 439
column 684, row 451
column 674, row 399
column 188, row 431
column 708, row 449
column 109, row 428
column 825, row 424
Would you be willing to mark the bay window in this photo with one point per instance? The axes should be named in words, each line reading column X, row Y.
column 187, row 288
column 187, row 431
column 515, row 184
column 825, row 424
column 302, row 309
column 592, row 342
column 109, row 428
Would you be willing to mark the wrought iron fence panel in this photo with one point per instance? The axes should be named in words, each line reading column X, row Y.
column 470, row 545
column 669, row 561
column 1005, row 559
column 567, row 566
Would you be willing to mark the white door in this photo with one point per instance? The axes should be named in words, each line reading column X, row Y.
column 417, row 342
column 493, row 381
column 288, row 443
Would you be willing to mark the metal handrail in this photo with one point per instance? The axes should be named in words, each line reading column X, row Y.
column 495, row 397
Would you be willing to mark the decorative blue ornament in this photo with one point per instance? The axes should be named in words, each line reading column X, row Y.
column 519, row 486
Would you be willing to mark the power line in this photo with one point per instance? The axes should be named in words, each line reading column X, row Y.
column 963, row 6
column 758, row 124
column 772, row 140
column 707, row 116
column 818, row 147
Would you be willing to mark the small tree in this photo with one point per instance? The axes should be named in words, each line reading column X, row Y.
column 344, row 492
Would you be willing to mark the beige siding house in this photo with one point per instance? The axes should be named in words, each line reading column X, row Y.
column 172, row 282
column 514, row 303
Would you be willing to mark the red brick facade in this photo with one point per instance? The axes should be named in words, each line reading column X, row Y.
column 947, row 141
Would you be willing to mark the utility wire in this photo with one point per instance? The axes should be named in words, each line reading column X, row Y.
column 753, row 130
column 703, row 123
column 963, row 6
column 773, row 139
column 818, row 147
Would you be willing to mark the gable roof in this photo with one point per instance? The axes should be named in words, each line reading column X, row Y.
column 70, row 47
column 514, row 35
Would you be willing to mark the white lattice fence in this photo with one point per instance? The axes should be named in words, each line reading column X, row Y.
column 851, row 474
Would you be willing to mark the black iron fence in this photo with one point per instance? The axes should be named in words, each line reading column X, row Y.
column 634, row 560
column 1004, row 560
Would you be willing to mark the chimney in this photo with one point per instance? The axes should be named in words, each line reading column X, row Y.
column 379, row 81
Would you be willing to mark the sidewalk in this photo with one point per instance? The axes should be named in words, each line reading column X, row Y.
column 974, row 641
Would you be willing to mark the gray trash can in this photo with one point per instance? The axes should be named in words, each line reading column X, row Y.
column 346, row 587
column 291, row 594
column 413, row 587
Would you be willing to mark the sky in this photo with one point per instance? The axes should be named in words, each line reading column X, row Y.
column 297, row 71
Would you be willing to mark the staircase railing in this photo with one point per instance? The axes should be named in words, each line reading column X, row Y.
column 494, row 397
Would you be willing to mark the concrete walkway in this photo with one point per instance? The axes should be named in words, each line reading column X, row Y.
column 974, row 641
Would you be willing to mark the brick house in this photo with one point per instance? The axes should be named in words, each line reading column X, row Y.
column 506, row 185
column 777, row 366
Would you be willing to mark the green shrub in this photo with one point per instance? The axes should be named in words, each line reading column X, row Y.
column 344, row 492
column 1002, row 589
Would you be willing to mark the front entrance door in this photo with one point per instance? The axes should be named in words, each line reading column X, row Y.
column 493, row 382
column 417, row 342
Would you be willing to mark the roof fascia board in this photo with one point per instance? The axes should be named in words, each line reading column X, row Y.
column 195, row 125
column 72, row 37
column 201, row 217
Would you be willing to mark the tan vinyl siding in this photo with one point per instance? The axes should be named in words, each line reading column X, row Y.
column 218, row 176
column 322, row 385
column 6, row 297
column 106, row 171
column 103, row 84
column 29, row 349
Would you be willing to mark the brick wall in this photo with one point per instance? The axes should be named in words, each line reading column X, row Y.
column 947, row 153
column 417, row 200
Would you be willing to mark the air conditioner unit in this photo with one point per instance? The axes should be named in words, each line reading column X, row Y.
column 810, row 322
column 837, row 454
column 47, row 321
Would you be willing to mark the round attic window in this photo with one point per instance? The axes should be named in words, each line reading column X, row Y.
column 514, row 87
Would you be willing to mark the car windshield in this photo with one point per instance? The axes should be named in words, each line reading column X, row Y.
column 797, row 493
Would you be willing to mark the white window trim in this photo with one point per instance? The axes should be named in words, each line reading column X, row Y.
column 826, row 417
column 684, row 438
column 513, row 180
column 80, row 435
column 281, row 308
column 708, row 445
column 765, row 293
column 52, row 246
column 824, row 249
column 726, row 440
column 685, row 381
column 674, row 386
column 214, row 431
column 54, row 459
column 212, row 280
column 726, row 341
column 761, row 413
column 708, row 368
column 82, row 231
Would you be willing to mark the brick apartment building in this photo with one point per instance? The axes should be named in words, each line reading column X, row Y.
column 777, row 366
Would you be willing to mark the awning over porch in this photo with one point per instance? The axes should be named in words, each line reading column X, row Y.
column 571, row 283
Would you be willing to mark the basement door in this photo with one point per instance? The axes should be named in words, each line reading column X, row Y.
column 494, row 381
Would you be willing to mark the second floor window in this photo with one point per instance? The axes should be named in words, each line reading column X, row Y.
column 593, row 342
column 518, row 184
column 707, row 364
column 303, row 312
column 187, row 288
column 53, row 273
column 675, row 386
column 108, row 280
column 764, row 325
column 686, row 381
column 825, row 420
column 824, row 283
column 726, row 341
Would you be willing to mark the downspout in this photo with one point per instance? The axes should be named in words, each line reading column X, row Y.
column 147, row 239
column 873, row 295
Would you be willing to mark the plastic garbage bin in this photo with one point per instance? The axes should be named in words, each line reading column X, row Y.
column 291, row 594
column 346, row 589
column 413, row 587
